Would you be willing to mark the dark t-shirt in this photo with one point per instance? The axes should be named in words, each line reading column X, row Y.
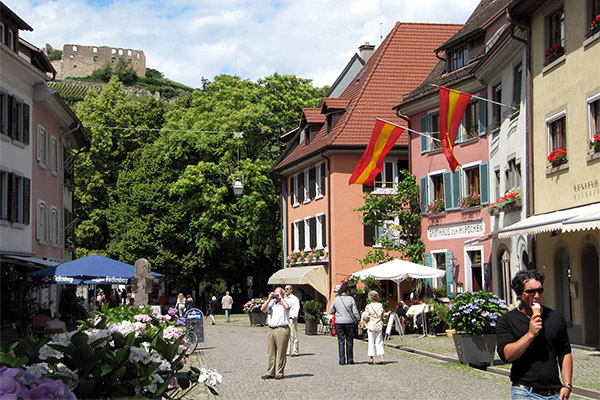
column 213, row 307
column 538, row 366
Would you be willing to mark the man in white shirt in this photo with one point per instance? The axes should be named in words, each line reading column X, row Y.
column 292, row 300
column 279, row 332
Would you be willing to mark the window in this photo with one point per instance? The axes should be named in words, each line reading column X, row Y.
column 430, row 125
column 458, row 58
column 4, row 195
column 517, row 82
column 10, row 39
column 53, row 163
column 297, row 189
column 594, row 107
column 120, row 52
column 471, row 121
column 306, row 184
column 513, row 175
column 387, row 180
column 593, row 11
column 332, row 119
column 15, row 191
column 320, row 181
column 557, row 134
column 94, row 50
column 74, row 48
column 14, row 118
column 496, row 108
column 476, row 181
column 440, row 263
column 297, row 236
column 555, row 35
column 437, row 187
column 321, row 232
column 54, row 226
column 472, row 181
column 496, row 183
column 41, row 230
column 129, row 53
column 389, row 229
column 42, row 146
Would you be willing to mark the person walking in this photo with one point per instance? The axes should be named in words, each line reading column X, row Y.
column 226, row 303
column 279, row 333
column 535, row 340
column 346, row 315
column 180, row 305
column 374, row 316
column 212, row 310
column 294, row 345
column 189, row 303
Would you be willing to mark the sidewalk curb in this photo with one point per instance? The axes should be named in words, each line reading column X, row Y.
column 580, row 391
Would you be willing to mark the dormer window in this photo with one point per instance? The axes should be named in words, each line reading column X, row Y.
column 332, row 119
column 458, row 58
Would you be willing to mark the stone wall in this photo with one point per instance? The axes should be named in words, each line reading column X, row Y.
column 80, row 60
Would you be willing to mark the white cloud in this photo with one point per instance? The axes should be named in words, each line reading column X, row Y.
column 190, row 39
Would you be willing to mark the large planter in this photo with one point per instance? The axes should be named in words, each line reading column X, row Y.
column 310, row 327
column 257, row 318
column 475, row 350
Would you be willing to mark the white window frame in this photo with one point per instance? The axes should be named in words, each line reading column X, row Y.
column 592, row 128
column 320, row 217
column 40, row 221
column 431, row 188
column 559, row 115
column 306, row 186
column 437, row 281
column 431, row 117
column 464, row 181
column 468, row 283
column 295, row 189
column 513, row 179
column 385, row 180
column 318, row 184
column 42, row 146
column 386, row 229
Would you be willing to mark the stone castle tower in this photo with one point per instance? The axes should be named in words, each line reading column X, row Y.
column 78, row 60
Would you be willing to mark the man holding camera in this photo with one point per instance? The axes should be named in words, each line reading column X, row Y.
column 279, row 332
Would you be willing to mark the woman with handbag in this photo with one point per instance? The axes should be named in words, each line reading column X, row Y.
column 346, row 315
column 374, row 324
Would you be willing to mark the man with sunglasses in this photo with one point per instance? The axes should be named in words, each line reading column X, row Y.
column 534, row 339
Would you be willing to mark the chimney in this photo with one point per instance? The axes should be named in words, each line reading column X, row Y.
column 366, row 51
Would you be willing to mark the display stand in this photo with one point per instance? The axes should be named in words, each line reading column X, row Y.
column 388, row 332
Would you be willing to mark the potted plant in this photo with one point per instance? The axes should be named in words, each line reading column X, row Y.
column 557, row 157
column 469, row 201
column 554, row 51
column 474, row 316
column 435, row 207
column 595, row 24
column 512, row 199
column 595, row 142
column 438, row 317
column 312, row 314
column 252, row 307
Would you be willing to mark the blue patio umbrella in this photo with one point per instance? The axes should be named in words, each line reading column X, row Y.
column 93, row 270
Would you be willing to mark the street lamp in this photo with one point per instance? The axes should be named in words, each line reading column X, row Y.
column 238, row 178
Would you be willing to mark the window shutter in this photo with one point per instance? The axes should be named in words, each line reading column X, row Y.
column 38, row 144
column 312, row 226
column 312, row 182
column 485, row 183
column 449, row 202
column 13, row 118
column 424, row 139
column 301, row 235
column 423, row 194
column 427, row 260
column 12, row 197
column 449, row 274
column 26, row 199
column 368, row 235
column 456, row 188
column 323, row 178
column 367, row 188
column 26, row 123
column 323, row 231
column 482, row 116
column 292, row 237
column 38, row 222
column 300, row 178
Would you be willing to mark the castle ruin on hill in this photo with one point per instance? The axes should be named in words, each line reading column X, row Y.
column 79, row 61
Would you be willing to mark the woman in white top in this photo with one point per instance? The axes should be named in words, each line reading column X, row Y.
column 180, row 305
column 374, row 315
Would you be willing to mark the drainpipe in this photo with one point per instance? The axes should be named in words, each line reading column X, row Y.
column 530, row 208
column 330, row 286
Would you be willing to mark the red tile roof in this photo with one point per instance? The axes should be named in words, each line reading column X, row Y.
column 401, row 62
column 313, row 116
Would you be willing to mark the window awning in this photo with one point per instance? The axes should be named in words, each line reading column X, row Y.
column 33, row 260
column 314, row 276
column 574, row 219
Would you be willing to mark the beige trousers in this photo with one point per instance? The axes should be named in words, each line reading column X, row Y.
column 277, row 344
column 293, row 347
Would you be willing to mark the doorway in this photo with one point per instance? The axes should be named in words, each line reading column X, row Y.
column 474, row 257
column 590, row 298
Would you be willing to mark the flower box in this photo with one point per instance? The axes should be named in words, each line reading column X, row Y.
column 510, row 201
column 470, row 201
column 557, row 157
column 595, row 143
column 435, row 207
column 554, row 52
column 595, row 24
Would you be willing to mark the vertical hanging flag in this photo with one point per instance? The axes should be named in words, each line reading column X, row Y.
column 371, row 163
column 452, row 107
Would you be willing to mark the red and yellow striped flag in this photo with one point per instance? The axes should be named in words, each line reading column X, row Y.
column 452, row 107
column 371, row 163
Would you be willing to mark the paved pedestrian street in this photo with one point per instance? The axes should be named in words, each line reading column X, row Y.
column 239, row 353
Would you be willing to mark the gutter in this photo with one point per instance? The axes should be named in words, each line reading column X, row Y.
column 330, row 286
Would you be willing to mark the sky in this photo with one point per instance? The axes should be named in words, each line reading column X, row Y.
column 188, row 40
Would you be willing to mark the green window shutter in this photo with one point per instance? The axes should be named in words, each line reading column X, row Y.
column 484, row 177
column 26, row 123
column 424, row 200
column 449, row 274
column 482, row 116
column 456, row 188
column 427, row 260
column 448, row 199
column 424, row 139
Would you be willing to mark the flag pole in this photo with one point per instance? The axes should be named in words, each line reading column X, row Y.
column 479, row 98
column 408, row 129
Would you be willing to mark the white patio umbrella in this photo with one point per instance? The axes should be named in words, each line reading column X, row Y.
column 398, row 270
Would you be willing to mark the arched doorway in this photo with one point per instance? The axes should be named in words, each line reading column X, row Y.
column 590, row 296
column 562, row 268
column 503, row 262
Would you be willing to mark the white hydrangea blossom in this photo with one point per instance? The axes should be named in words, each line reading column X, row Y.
column 210, row 377
column 137, row 354
column 64, row 370
column 126, row 327
column 95, row 334
column 38, row 370
column 48, row 352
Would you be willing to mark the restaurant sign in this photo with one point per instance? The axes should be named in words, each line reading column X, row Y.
column 456, row 230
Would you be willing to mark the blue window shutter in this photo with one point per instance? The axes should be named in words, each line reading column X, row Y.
column 448, row 203
column 456, row 192
column 482, row 116
column 424, row 200
column 424, row 139
column 427, row 259
column 484, row 177
column 449, row 274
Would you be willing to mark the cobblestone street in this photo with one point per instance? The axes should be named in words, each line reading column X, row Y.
column 239, row 353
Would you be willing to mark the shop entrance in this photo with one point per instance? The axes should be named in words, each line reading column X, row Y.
column 476, row 269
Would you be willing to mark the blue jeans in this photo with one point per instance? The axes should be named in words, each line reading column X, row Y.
column 519, row 393
column 345, row 335
column 227, row 314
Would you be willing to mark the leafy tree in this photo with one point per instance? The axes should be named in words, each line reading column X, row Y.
column 125, row 72
column 107, row 116
column 154, row 73
column 103, row 74
column 404, row 238
column 55, row 55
